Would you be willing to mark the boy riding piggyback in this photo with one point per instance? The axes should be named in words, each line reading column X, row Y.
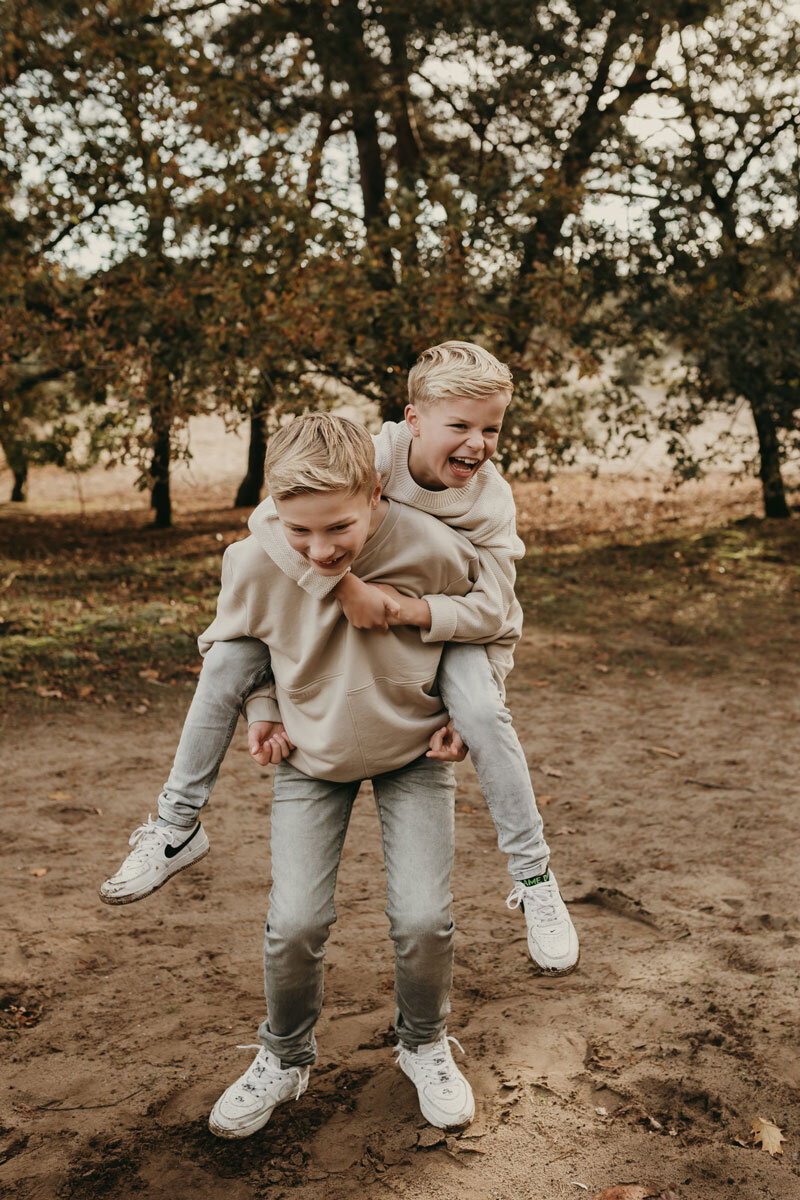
column 437, row 460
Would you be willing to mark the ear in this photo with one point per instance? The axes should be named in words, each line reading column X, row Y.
column 376, row 492
column 412, row 419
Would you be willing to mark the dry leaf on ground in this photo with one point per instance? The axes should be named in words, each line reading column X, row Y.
column 59, row 795
column 552, row 772
column 769, row 1135
column 38, row 872
column 663, row 750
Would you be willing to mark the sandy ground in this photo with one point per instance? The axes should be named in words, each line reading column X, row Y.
column 647, row 1064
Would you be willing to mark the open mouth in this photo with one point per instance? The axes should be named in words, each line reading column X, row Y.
column 327, row 563
column 463, row 467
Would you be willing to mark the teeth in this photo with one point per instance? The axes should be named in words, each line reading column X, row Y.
column 465, row 462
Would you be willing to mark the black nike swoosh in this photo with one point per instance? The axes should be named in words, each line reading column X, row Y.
column 171, row 851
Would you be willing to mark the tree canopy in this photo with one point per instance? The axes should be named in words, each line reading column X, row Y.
column 209, row 206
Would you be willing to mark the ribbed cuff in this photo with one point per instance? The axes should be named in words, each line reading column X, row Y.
column 261, row 708
column 444, row 618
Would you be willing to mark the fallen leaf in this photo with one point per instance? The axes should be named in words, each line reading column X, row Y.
column 542, row 800
column 566, row 830
column 194, row 670
column 663, row 750
column 769, row 1135
column 560, row 645
column 85, row 691
column 649, row 671
column 552, row 772
column 38, row 871
column 148, row 673
column 540, row 683
column 60, row 796
column 141, row 709
column 49, row 693
column 602, row 667
column 167, row 620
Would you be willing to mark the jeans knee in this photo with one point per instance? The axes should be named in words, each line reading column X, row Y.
column 425, row 931
column 303, row 934
column 234, row 667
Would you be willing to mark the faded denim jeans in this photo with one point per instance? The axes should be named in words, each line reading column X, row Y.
column 230, row 672
column 479, row 713
column 309, row 824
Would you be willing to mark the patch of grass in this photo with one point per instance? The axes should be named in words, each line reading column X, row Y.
column 107, row 612
column 99, row 606
column 707, row 600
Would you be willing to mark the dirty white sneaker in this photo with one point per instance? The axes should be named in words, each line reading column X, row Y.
column 445, row 1097
column 159, row 851
column 552, row 940
column 248, row 1104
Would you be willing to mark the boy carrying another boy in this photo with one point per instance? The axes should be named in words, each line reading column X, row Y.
column 352, row 706
column 437, row 461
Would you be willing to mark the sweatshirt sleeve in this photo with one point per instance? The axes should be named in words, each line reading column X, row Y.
column 232, row 621
column 490, row 612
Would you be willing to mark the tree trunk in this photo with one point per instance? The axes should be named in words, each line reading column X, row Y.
column 20, row 490
column 249, row 492
column 769, row 449
column 160, row 499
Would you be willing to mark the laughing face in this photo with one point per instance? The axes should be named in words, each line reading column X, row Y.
column 452, row 438
column 330, row 529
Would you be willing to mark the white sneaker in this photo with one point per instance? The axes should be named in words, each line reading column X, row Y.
column 445, row 1097
column 552, row 940
column 248, row 1104
column 159, row 851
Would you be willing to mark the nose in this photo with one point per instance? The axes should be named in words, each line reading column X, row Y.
column 475, row 442
column 321, row 550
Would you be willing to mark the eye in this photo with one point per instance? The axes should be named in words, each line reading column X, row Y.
column 455, row 425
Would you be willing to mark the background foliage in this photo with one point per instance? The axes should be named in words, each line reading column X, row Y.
column 213, row 206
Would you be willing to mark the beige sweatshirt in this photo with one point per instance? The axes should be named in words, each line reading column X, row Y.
column 483, row 511
column 355, row 703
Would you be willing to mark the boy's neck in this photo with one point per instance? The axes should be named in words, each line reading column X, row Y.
column 418, row 474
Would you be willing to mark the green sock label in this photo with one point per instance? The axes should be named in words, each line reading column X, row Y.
column 536, row 879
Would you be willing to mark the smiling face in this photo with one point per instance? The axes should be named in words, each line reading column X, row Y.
column 452, row 438
column 329, row 529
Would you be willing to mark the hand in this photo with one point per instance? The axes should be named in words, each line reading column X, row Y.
column 365, row 605
column 269, row 742
column 410, row 610
column 446, row 744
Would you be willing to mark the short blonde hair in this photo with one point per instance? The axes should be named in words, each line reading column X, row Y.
column 320, row 452
column 457, row 369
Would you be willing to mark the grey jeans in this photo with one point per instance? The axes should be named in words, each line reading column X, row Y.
column 230, row 672
column 480, row 715
column 232, row 669
column 309, row 823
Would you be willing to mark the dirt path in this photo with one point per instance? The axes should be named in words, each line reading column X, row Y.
column 649, row 1063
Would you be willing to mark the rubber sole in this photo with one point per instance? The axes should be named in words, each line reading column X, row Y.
column 555, row 972
column 116, row 900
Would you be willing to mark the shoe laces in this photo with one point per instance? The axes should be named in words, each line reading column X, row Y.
column 544, row 900
column 261, row 1073
column 435, row 1062
column 142, row 835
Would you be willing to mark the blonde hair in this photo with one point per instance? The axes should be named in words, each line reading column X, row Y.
column 457, row 369
column 319, row 452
